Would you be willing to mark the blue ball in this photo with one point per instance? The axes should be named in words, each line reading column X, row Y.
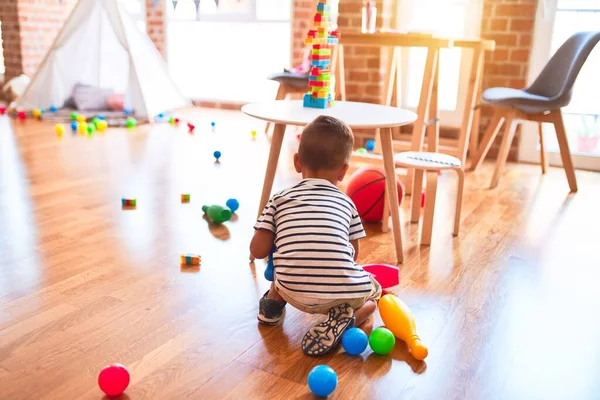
column 370, row 145
column 354, row 341
column 233, row 205
column 217, row 154
column 74, row 125
column 100, row 116
column 212, row 124
column 161, row 115
column 53, row 109
column 322, row 380
column 127, row 111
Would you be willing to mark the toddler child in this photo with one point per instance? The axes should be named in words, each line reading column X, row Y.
column 315, row 228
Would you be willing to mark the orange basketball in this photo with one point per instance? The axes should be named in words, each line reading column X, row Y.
column 366, row 188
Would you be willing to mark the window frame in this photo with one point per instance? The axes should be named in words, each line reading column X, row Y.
column 249, row 17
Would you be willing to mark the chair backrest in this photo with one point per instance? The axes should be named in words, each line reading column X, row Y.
column 558, row 76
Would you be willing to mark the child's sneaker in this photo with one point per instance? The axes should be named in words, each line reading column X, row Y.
column 322, row 338
column 270, row 312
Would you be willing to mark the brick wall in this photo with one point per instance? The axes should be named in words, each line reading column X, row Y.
column 303, row 12
column 10, row 38
column 155, row 24
column 510, row 23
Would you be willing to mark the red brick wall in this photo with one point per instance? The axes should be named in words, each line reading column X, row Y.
column 155, row 24
column 11, row 42
column 303, row 12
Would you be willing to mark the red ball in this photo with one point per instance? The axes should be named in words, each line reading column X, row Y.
column 2, row 110
column 21, row 115
column 366, row 188
column 113, row 379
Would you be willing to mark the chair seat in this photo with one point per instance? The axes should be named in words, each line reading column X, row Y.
column 518, row 98
column 426, row 160
column 296, row 80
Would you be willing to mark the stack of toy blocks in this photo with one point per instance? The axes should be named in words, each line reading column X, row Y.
column 322, row 40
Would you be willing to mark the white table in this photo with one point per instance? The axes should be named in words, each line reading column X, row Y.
column 357, row 116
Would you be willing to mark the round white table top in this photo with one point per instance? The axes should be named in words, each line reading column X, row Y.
column 356, row 115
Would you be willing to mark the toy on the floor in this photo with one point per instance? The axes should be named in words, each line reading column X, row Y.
column 398, row 318
column 59, row 129
column 386, row 275
column 382, row 341
column 322, row 39
column 217, row 214
column 74, row 125
column 191, row 127
column 81, row 118
column 233, row 205
column 355, row 341
column 74, row 116
column 21, row 115
column 213, row 124
column 37, row 113
column 322, row 380
column 190, row 259
column 101, row 125
column 185, row 198
column 370, row 145
column 217, row 155
column 253, row 133
column 131, row 122
column 2, row 109
column 366, row 188
column 362, row 150
column 90, row 129
column 113, row 380
column 270, row 270
column 53, row 109
column 129, row 202
column 127, row 111
column 82, row 128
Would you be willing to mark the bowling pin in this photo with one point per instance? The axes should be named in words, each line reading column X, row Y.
column 398, row 318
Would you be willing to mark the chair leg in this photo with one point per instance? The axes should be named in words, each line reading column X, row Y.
column 488, row 138
column 459, row 195
column 543, row 153
column 507, row 138
column 415, row 208
column 281, row 95
column 565, row 152
column 430, row 192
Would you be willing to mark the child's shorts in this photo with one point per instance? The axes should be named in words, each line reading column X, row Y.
column 322, row 306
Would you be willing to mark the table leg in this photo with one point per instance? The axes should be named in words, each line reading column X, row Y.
column 276, row 142
column 390, row 180
column 430, row 192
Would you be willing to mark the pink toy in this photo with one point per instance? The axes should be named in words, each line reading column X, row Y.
column 113, row 379
column 386, row 275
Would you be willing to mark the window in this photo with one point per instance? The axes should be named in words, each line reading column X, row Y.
column 450, row 18
column 137, row 10
column 226, row 53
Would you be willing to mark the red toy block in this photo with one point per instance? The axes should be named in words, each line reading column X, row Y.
column 318, row 83
column 191, row 127
column 318, row 17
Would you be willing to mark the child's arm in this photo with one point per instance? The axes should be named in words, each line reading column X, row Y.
column 356, row 245
column 262, row 243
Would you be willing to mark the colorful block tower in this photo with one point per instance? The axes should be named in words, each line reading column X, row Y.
column 322, row 39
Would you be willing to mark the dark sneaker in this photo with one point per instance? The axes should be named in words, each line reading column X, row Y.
column 270, row 312
column 322, row 338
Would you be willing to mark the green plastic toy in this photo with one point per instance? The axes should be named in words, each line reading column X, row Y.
column 217, row 214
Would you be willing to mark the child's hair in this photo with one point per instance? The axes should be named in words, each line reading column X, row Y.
column 325, row 144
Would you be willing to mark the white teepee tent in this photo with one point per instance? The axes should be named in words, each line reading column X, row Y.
column 100, row 45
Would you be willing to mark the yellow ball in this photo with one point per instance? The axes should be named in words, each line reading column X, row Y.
column 101, row 125
column 59, row 129
column 82, row 128
column 36, row 113
column 253, row 133
column 81, row 118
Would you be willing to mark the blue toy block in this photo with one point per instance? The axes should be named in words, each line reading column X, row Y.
column 312, row 102
column 323, row 7
column 320, row 63
column 332, row 40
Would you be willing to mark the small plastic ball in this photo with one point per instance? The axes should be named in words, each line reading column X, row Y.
column 213, row 124
column 217, row 154
column 36, row 113
column 172, row 121
column 113, row 380
column 74, row 125
column 83, row 127
column 322, row 380
column 101, row 125
column 370, row 145
column 176, row 121
column 253, row 133
column 21, row 115
column 53, row 109
column 161, row 116
column 233, row 205
column 131, row 122
column 74, row 116
column 2, row 109
column 382, row 341
column 100, row 116
column 90, row 129
column 362, row 150
column 81, row 118
column 354, row 341
column 128, row 111
column 59, row 129
column 95, row 121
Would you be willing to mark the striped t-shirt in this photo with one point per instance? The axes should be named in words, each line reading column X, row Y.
column 313, row 223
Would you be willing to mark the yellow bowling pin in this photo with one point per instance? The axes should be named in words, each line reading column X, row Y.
column 398, row 318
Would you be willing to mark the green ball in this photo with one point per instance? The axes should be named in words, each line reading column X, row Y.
column 131, row 122
column 74, row 116
column 382, row 341
column 95, row 121
column 362, row 150
column 90, row 128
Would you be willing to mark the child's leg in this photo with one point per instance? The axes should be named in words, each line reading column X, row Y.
column 364, row 312
column 273, row 294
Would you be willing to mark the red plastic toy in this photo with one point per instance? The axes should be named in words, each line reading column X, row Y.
column 386, row 275
column 21, row 115
column 2, row 110
column 191, row 127
column 113, row 379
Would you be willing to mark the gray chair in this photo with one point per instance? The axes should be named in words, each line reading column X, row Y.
column 289, row 83
column 541, row 102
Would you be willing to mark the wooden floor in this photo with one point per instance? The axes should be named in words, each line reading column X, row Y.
column 510, row 309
